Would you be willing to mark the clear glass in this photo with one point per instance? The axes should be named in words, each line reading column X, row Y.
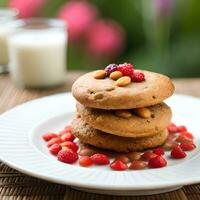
column 6, row 17
column 37, row 49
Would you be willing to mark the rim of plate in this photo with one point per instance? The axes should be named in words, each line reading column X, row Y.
column 17, row 152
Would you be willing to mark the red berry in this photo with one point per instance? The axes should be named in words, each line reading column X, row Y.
column 148, row 155
column 159, row 151
column 122, row 158
column 71, row 145
column 49, row 136
column 118, row 165
column 55, row 148
column 85, row 161
column 187, row 146
column 67, row 137
column 172, row 128
column 157, row 162
column 138, row 77
column 110, row 68
column 138, row 164
column 100, row 159
column 87, row 152
column 67, row 156
column 181, row 128
column 177, row 152
column 55, row 140
column 68, row 128
column 169, row 145
column 185, row 137
column 126, row 69
column 134, row 155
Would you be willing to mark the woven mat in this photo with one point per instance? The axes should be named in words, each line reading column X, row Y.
column 15, row 185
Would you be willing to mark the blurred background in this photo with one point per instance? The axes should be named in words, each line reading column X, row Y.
column 158, row 35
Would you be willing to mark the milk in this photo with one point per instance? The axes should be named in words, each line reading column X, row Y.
column 38, row 57
column 3, row 45
column 6, row 17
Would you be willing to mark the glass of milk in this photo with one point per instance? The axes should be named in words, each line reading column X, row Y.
column 6, row 16
column 37, row 49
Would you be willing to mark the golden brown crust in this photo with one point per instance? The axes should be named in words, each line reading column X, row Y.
column 89, row 135
column 104, row 94
column 107, row 121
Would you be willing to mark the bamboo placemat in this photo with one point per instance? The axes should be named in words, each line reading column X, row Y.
column 15, row 185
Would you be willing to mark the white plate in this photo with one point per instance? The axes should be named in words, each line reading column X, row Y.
column 22, row 148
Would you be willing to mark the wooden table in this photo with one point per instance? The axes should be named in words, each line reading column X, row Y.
column 15, row 185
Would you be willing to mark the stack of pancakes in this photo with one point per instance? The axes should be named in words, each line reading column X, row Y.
column 122, row 119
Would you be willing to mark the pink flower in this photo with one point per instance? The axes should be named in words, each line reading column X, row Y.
column 26, row 8
column 79, row 16
column 105, row 39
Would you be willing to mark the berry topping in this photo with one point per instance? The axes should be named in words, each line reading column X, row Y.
column 71, row 145
column 111, row 68
column 100, row 159
column 177, row 152
column 85, row 161
column 185, row 137
column 134, row 155
column 148, row 155
column 67, row 137
column 138, row 164
column 55, row 140
column 122, row 158
column 118, row 165
column 157, row 162
column 87, row 152
column 49, row 136
column 137, row 77
column 67, row 156
column 172, row 128
column 159, row 151
column 126, row 69
column 55, row 148
column 187, row 146
column 181, row 128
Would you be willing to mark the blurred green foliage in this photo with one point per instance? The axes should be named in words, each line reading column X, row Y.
column 168, row 45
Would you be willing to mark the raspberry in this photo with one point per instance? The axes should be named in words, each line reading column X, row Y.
column 137, row 164
column 126, row 69
column 134, row 155
column 85, row 161
column 122, row 158
column 100, row 159
column 177, row 152
column 137, row 77
column 187, row 146
column 118, row 165
column 172, row 128
column 110, row 68
column 148, row 155
column 67, row 137
column 157, row 162
column 71, row 145
column 55, row 148
column 185, row 137
column 68, row 128
column 87, row 152
column 55, row 140
column 181, row 128
column 49, row 136
column 169, row 145
column 67, row 156
column 159, row 151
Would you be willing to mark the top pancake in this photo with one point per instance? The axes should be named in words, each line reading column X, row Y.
column 104, row 94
